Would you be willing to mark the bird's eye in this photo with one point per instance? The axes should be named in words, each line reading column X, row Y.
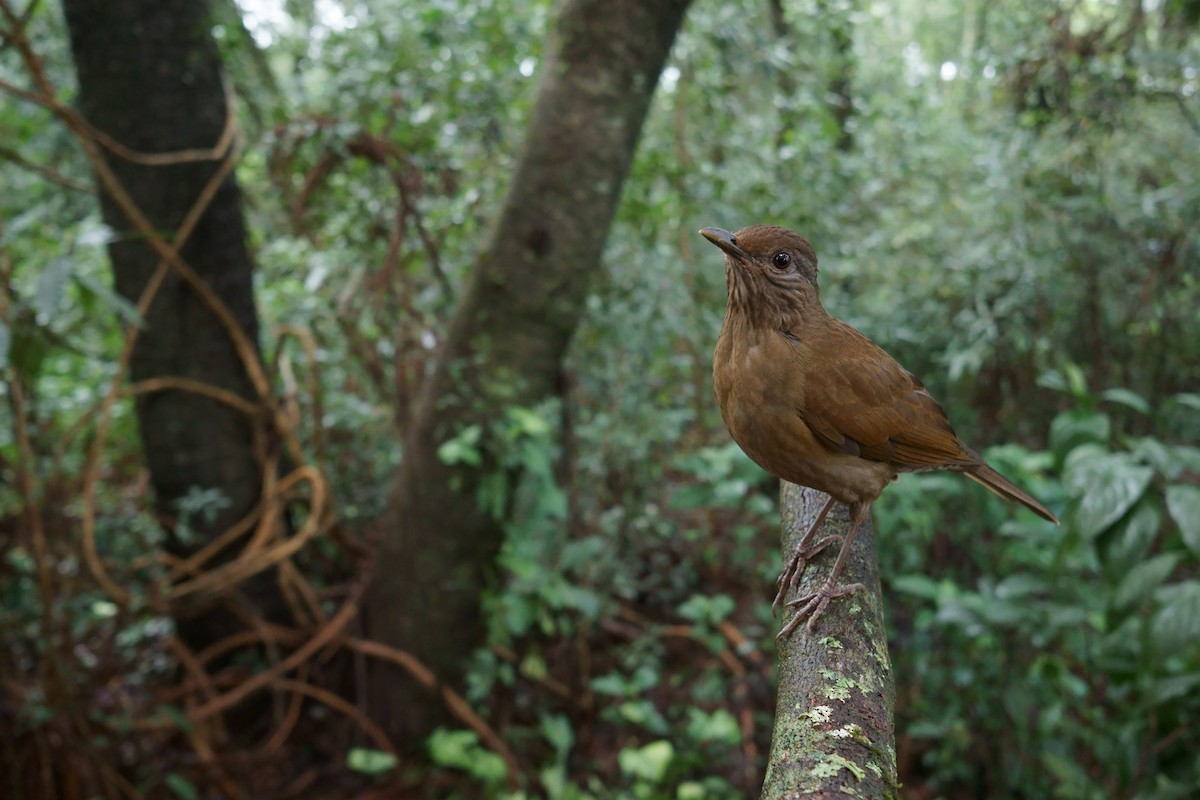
column 781, row 259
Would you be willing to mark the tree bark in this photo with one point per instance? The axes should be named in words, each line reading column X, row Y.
column 506, row 342
column 149, row 77
column 834, row 731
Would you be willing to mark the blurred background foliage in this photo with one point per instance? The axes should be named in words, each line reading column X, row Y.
column 1005, row 195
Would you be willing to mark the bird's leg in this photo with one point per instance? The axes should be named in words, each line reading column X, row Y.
column 805, row 550
column 813, row 605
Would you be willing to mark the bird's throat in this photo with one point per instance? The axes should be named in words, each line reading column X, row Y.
column 755, row 303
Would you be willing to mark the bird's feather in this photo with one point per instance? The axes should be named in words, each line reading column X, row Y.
column 868, row 405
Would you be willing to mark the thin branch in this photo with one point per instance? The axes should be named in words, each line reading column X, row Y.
column 49, row 174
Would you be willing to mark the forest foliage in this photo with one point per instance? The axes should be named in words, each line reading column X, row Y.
column 1006, row 196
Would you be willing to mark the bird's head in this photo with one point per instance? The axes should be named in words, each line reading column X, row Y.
column 769, row 271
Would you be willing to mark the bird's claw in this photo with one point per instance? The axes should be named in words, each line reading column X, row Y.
column 789, row 579
column 813, row 606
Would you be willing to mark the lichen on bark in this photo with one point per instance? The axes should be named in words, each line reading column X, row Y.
column 834, row 728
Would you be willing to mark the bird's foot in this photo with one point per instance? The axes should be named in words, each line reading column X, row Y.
column 813, row 605
column 789, row 579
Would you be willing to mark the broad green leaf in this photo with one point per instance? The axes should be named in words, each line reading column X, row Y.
column 1074, row 428
column 370, row 762
column 1131, row 539
column 918, row 585
column 1183, row 502
column 1169, row 460
column 461, row 750
column 648, row 763
column 1177, row 624
column 719, row 726
column 1174, row 687
column 1127, row 398
column 1106, row 484
column 558, row 732
column 1143, row 578
column 613, row 684
column 528, row 422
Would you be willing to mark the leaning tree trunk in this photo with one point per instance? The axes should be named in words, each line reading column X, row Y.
column 505, row 344
column 149, row 78
column 834, row 731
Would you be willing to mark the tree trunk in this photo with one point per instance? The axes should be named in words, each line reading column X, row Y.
column 507, row 339
column 840, row 97
column 149, row 78
column 834, row 731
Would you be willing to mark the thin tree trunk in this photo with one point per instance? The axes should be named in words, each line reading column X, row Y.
column 834, row 731
column 506, row 342
column 840, row 98
column 149, row 78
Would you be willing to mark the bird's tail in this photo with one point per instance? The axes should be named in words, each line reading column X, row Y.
column 1002, row 486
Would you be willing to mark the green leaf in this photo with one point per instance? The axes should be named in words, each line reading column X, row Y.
column 124, row 309
column 461, row 750
column 528, row 422
column 1176, row 626
column 50, row 285
column 1143, row 578
column 581, row 599
column 1106, row 484
column 613, row 684
column 22, row 221
column 648, row 763
column 719, row 726
column 1131, row 539
column 181, row 786
column 558, row 732
column 917, row 585
column 1018, row 585
column 1127, row 398
column 1169, row 460
column 1069, row 378
column 1071, row 429
column 1069, row 773
column 644, row 714
column 370, row 762
column 1183, row 503
column 179, row 718
column 1176, row 686
column 703, row 608
column 463, row 448
column 5, row 341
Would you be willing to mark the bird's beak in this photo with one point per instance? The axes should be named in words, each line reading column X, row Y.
column 724, row 240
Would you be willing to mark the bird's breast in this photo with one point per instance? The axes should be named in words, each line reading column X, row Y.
column 760, row 382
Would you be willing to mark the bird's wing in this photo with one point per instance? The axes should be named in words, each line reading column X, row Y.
column 866, row 404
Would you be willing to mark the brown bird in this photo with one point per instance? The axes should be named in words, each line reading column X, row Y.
column 813, row 401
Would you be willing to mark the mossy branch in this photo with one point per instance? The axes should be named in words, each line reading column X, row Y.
column 834, row 717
